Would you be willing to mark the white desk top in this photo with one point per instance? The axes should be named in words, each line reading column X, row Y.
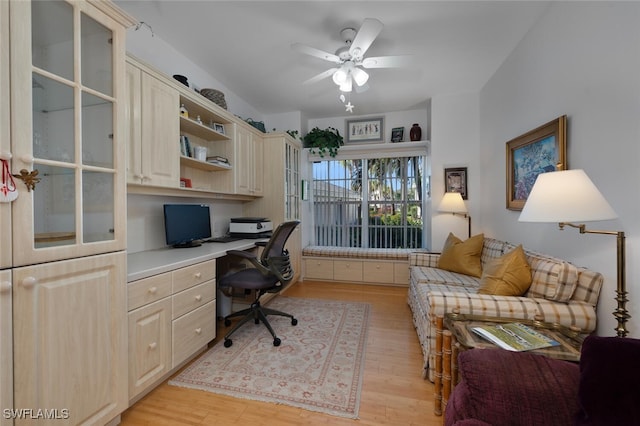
column 147, row 263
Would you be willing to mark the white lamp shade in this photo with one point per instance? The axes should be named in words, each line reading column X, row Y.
column 360, row 76
column 340, row 76
column 452, row 202
column 565, row 196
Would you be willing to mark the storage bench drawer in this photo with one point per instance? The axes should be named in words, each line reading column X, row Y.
column 319, row 269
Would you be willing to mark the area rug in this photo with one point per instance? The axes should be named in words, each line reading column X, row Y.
column 318, row 366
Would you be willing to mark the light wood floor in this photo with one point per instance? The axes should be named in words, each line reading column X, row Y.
column 393, row 390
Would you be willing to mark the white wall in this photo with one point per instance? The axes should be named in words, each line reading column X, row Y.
column 162, row 56
column 583, row 60
column 454, row 143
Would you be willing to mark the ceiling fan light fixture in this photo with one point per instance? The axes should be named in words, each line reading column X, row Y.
column 340, row 76
column 346, row 86
column 360, row 76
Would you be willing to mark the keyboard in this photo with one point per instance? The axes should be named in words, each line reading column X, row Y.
column 225, row 239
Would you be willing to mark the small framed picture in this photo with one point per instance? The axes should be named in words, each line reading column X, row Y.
column 365, row 130
column 218, row 128
column 185, row 183
column 455, row 180
column 397, row 134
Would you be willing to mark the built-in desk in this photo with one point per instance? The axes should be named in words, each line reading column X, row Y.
column 147, row 263
column 171, row 296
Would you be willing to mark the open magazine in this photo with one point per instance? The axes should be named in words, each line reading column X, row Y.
column 514, row 336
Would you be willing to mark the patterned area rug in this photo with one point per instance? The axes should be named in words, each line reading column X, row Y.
column 317, row 367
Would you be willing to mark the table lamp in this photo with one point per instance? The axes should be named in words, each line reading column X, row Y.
column 453, row 203
column 569, row 196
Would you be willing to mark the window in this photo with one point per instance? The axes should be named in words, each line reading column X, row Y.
column 373, row 203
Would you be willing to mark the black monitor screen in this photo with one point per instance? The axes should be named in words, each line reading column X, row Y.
column 186, row 224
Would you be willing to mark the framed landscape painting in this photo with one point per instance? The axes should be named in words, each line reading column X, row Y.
column 540, row 150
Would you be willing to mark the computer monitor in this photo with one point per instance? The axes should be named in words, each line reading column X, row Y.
column 186, row 225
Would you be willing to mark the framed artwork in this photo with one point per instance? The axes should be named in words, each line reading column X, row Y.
column 455, row 180
column 218, row 128
column 365, row 130
column 397, row 134
column 540, row 150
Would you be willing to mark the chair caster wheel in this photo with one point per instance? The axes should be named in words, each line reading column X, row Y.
column 227, row 323
column 294, row 321
column 228, row 343
column 276, row 342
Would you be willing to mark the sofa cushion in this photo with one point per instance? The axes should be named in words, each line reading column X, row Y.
column 609, row 375
column 440, row 276
column 487, row 391
column 508, row 275
column 552, row 279
column 462, row 256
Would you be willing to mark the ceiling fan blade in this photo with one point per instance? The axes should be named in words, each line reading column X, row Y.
column 321, row 76
column 365, row 36
column 303, row 48
column 387, row 61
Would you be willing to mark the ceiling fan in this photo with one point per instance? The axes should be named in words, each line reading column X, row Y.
column 350, row 58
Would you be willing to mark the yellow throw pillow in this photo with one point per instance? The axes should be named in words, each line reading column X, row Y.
column 462, row 256
column 508, row 275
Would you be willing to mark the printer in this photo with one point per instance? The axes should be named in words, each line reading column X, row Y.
column 250, row 227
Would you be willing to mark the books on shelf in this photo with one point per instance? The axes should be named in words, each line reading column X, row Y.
column 216, row 159
column 514, row 336
column 185, row 146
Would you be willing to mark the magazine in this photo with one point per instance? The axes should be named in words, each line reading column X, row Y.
column 514, row 336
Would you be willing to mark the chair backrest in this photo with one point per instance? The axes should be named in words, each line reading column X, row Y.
column 275, row 256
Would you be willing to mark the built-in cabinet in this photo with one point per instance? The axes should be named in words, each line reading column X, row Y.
column 152, row 130
column 6, row 345
column 378, row 271
column 171, row 318
column 281, row 194
column 64, row 245
column 162, row 114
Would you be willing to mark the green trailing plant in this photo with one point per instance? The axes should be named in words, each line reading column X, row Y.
column 323, row 141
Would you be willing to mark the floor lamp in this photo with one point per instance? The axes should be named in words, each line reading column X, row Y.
column 569, row 196
column 453, row 203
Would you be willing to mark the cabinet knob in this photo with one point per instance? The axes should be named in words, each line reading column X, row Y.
column 153, row 290
column 27, row 159
column 29, row 282
column 198, row 330
column 198, row 275
column 5, row 287
column 198, row 298
column 153, row 345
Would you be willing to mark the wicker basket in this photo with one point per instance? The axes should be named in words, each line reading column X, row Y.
column 215, row 96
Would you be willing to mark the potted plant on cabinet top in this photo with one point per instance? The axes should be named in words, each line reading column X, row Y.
column 324, row 141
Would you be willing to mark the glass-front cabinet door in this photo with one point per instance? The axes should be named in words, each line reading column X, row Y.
column 67, row 77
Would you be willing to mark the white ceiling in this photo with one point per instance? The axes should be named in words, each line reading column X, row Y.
column 246, row 45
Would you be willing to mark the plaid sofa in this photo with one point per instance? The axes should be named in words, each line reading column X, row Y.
column 560, row 292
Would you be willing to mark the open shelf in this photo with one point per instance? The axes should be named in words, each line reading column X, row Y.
column 203, row 165
column 193, row 127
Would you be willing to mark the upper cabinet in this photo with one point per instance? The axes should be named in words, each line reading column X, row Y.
column 67, row 69
column 181, row 143
column 5, row 136
column 152, row 129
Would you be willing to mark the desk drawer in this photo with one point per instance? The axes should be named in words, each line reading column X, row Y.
column 319, row 269
column 347, row 270
column 147, row 290
column 193, row 298
column 378, row 272
column 192, row 331
column 189, row 276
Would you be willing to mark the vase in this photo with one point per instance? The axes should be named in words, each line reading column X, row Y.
column 415, row 134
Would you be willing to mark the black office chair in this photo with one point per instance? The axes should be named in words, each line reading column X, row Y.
column 270, row 273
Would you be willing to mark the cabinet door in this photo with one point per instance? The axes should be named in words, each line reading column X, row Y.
column 67, row 70
column 70, row 336
column 149, row 345
column 249, row 166
column 160, row 119
column 5, row 149
column 6, row 345
column 133, row 135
